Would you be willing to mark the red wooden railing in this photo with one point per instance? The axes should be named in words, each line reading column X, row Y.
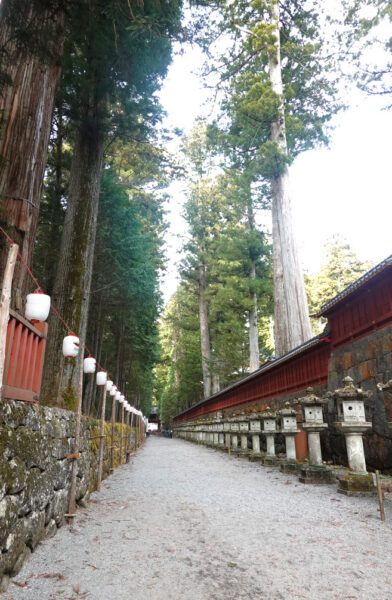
column 24, row 359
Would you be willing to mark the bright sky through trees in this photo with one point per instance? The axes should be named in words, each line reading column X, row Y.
column 345, row 188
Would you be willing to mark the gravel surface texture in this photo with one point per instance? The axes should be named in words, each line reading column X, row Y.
column 183, row 522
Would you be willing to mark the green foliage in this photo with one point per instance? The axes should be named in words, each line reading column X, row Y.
column 340, row 267
column 223, row 239
column 367, row 36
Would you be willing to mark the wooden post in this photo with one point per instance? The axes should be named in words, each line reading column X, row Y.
column 122, row 431
column 102, row 438
column 112, row 436
column 127, row 448
column 5, row 306
column 72, row 494
column 133, row 447
column 380, row 496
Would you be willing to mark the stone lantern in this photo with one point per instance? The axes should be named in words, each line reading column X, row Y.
column 312, row 407
column 352, row 422
column 288, row 426
column 244, row 431
column 255, row 430
column 234, row 429
column 226, row 430
column 268, row 418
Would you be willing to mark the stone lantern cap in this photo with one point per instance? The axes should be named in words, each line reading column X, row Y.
column 288, row 419
column 385, row 386
column 268, row 413
column 350, row 392
column 311, row 399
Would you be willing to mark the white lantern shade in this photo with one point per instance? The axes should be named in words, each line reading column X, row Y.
column 89, row 365
column 109, row 385
column 113, row 390
column 123, row 397
column 101, row 377
column 70, row 346
column 117, row 395
column 37, row 307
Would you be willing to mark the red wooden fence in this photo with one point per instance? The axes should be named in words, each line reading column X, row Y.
column 24, row 359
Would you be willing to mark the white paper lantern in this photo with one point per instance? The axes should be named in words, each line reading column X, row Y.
column 70, row 346
column 37, row 307
column 101, row 378
column 109, row 385
column 122, row 398
column 113, row 390
column 89, row 365
column 117, row 395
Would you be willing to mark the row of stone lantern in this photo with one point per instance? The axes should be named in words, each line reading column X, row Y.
column 351, row 421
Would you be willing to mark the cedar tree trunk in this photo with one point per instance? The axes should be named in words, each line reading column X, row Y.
column 26, row 107
column 204, row 331
column 73, row 280
column 292, row 323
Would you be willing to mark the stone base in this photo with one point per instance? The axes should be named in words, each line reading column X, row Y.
column 357, row 484
column 255, row 457
column 271, row 461
column 241, row 453
column 290, row 467
column 319, row 475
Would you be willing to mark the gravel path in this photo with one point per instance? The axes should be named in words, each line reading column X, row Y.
column 183, row 522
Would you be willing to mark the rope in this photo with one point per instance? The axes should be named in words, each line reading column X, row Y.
column 22, row 259
column 9, row 238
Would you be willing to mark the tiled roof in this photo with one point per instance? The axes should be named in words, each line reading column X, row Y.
column 354, row 286
column 266, row 367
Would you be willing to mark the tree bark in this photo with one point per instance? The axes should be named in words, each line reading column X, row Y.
column 73, row 280
column 292, row 323
column 254, row 352
column 26, row 107
column 204, row 331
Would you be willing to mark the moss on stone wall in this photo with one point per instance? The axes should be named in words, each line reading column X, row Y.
column 35, row 474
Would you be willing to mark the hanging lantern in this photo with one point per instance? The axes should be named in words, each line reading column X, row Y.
column 117, row 395
column 101, row 378
column 113, row 390
column 37, row 307
column 109, row 385
column 122, row 398
column 70, row 346
column 89, row 365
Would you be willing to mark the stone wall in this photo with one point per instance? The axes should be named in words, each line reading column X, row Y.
column 368, row 361
column 35, row 475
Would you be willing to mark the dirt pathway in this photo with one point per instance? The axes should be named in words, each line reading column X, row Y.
column 183, row 522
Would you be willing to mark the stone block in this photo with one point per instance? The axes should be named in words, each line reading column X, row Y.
column 316, row 475
column 8, row 516
column 290, row 467
column 357, row 484
column 37, row 492
column 50, row 529
column 60, row 505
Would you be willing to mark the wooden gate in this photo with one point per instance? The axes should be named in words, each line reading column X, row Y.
column 24, row 359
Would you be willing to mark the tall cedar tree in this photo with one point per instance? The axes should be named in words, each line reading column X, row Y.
column 31, row 45
column 117, row 55
column 278, row 101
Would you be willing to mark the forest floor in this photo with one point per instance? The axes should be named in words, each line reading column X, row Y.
column 183, row 522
